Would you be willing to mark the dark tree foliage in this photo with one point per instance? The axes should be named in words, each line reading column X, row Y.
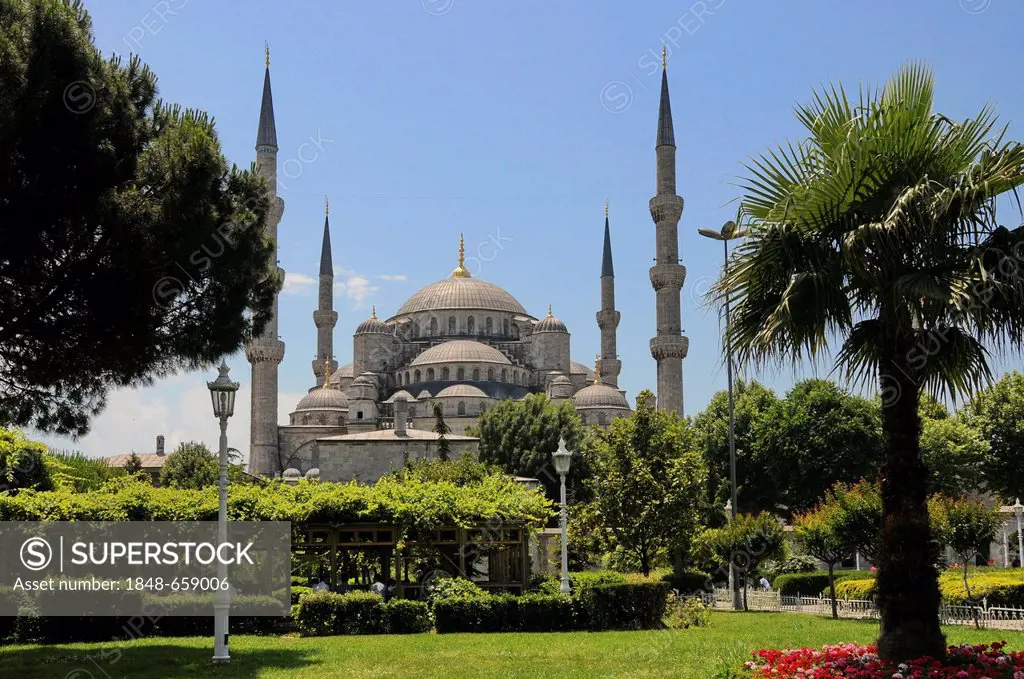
column 129, row 249
column 997, row 412
column 133, row 465
column 441, row 428
column 519, row 437
column 190, row 466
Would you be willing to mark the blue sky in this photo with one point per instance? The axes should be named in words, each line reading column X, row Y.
column 514, row 120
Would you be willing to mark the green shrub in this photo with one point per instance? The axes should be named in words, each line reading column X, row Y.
column 329, row 613
column 466, row 614
column 453, row 588
column 855, row 589
column 627, row 606
column 999, row 589
column 689, row 582
column 686, row 612
column 797, row 563
column 402, row 616
column 299, row 591
column 803, row 584
column 21, row 463
column 508, row 613
column 583, row 580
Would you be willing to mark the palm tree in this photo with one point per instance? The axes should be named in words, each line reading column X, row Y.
column 877, row 236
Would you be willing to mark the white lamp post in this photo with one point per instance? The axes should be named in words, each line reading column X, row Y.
column 1018, row 508
column 729, row 232
column 562, row 459
column 222, row 394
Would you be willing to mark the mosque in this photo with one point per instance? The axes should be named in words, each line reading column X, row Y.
column 461, row 344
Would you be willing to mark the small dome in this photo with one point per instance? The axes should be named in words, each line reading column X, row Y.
column 599, row 396
column 323, row 399
column 580, row 369
column 461, row 391
column 550, row 324
column 424, row 396
column 561, row 380
column 291, row 474
column 313, row 474
column 461, row 351
column 365, row 378
column 373, row 326
column 401, row 393
column 342, row 373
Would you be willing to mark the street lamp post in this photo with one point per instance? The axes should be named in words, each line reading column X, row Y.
column 222, row 394
column 1018, row 508
column 729, row 232
column 563, row 459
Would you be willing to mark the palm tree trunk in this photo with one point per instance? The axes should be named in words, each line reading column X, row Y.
column 907, row 584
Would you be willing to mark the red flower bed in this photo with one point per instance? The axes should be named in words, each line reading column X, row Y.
column 862, row 662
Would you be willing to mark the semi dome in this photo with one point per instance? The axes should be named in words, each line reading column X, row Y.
column 550, row 324
column 460, row 351
column 323, row 399
column 599, row 396
column 373, row 325
column 461, row 391
column 461, row 293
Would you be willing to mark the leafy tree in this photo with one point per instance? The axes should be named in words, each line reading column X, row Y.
column 462, row 471
column 519, row 437
column 134, row 464
column 966, row 526
column 878, row 231
column 747, row 542
column 955, row 454
column 21, row 463
column 817, row 435
column 647, row 481
column 821, row 532
column 441, row 428
column 861, row 505
column 998, row 413
column 131, row 249
column 711, row 428
column 190, row 466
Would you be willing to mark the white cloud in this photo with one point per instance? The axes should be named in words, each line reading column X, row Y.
column 297, row 283
column 392, row 277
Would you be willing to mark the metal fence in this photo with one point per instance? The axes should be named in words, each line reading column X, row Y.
column 996, row 617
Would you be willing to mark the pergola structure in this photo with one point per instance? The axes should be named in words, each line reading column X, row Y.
column 350, row 556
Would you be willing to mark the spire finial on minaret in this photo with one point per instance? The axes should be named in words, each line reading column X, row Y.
column 664, row 57
column 461, row 271
column 266, row 53
column 606, row 208
column 597, row 369
column 666, row 135
column 266, row 135
column 327, row 205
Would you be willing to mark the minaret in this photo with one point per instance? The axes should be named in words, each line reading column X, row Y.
column 608, row 317
column 266, row 352
column 669, row 346
column 325, row 317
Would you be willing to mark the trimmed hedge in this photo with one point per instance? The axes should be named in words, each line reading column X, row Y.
column 855, row 589
column 813, row 584
column 601, row 607
column 689, row 582
column 582, row 580
column 329, row 613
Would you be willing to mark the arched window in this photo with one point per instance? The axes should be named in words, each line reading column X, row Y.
column 462, row 408
column 445, row 374
column 460, row 374
column 470, row 325
column 504, row 375
column 482, row 407
column 504, row 327
column 476, row 374
column 398, row 378
column 490, row 374
column 416, row 329
column 433, row 327
column 515, row 377
column 489, row 326
column 412, row 411
column 430, row 374
column 515, row 331
column 417, row 375
column 451, row 325
column 407, row 377
column 600, row 419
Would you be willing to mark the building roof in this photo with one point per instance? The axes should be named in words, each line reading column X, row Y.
column 326, row 262
column 576, row 368
column 461, row 293
column 323, row 398
column 389, row 435
column 149, row 460
column 461, row 351
column 666, row 135
column 599, row 396
column 266, row 135
column 373, row 325
column 424, row 395
column 401, row 392
column 345, row 371
column 461, row 391
column 607, row 268
column 550, row 324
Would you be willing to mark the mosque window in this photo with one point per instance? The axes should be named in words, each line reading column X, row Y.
column 476, row 374
column 451, row 325
column 504, row 327
column 470, row 325
column 445, row 374
column 462, row 408
column 416, row 329
column 305, row 419
column 322, row 419
column 359, row 415
column 600, row 419
column 482, row 407
column 412, row 411
column 504, row 375
column 341, row 421
column 489, row 326
column 417, row 375
column 515, row 377
column 515, row 331
column 398, row 378
column 490, row 374
column 407, row 377
column 460, row 374
column 430, row 374
column 433, row 327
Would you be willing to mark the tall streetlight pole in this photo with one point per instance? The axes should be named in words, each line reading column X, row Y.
column 1018, row 509
column 222, row 394
column 729, row 232
column 562, row 459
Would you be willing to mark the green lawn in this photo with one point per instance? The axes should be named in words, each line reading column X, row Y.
column 706, row 653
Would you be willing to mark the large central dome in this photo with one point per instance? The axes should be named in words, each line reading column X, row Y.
column 461, row 293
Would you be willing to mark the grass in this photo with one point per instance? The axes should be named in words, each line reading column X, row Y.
column 706, row 653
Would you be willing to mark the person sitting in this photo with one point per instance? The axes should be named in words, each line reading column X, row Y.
column 378, row 587
column 765, row 585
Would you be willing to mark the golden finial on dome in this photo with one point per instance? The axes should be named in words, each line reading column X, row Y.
column 373, row 312
column 461, row 271
column 550, row 315
column 597, row 369
column 266, row 53
column 664, row 56
column 327, row 373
